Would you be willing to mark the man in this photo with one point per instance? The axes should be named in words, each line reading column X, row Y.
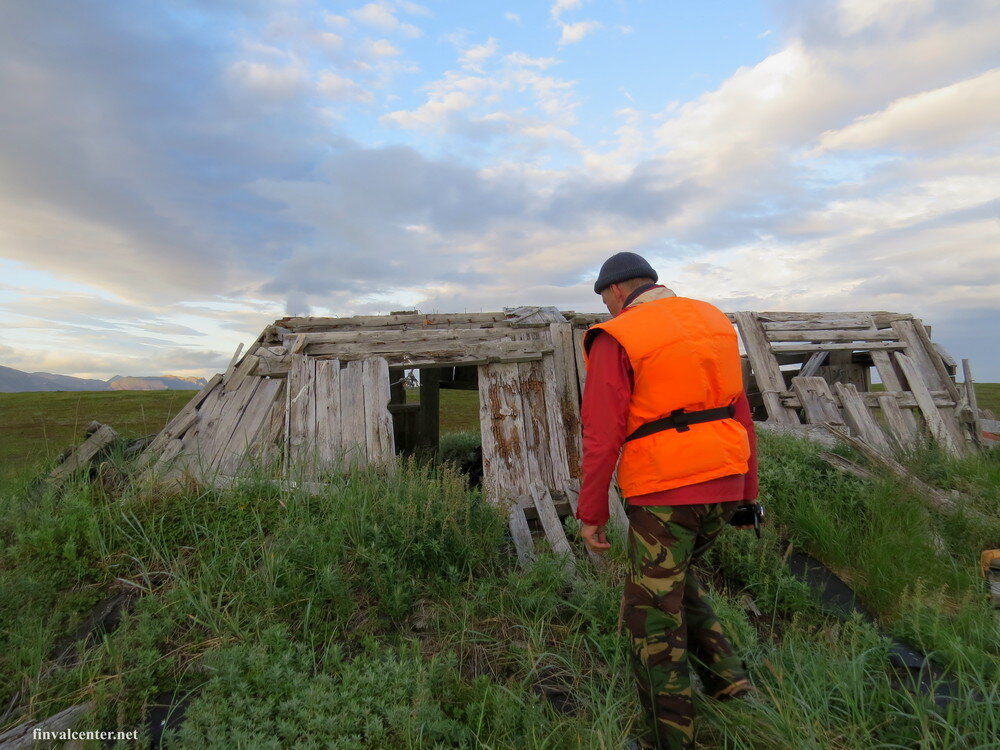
column 664, row 393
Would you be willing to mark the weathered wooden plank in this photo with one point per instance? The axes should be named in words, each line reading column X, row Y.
column 278, row 366
column 524, row 545
column 216, row 435
column 538, row 437
column 302, row 417
column 581, row 365
column 819, row 324
column 770, row 381
column 499, row 347
column 907, row 332
column 232, row 362
column 860, row 419
column 935, row 422
column 557, row 443
column 533, row 316
column 905, row 399
column 972, row 400
column 566, row 389
column 272, row 443
column 616, row 504
column 26, row 735
column 863, row 335
column 354, row 430
column 508, row 467
column 817, row 401
column 837, row 346
column 101, row 436
column 378, row 420
column 328, row 428
column 553, row 527
column 408, row 336
column 839, row 319
column 234, row 456
column 903, row 430
column 181, row 421
column 812, row 365
column 936, row 360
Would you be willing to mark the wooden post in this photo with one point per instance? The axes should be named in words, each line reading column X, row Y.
column 429, row 419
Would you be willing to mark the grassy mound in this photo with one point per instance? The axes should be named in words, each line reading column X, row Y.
column 389, row 612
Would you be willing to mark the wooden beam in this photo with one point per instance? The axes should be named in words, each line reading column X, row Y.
column 770, row 380
column 935, row 422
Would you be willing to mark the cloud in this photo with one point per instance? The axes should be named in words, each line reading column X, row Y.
column 512, row 17
column 562, row 6
column 340, row 88
column 576, row 32
column 945, row 117
column 380, row 16
column 474, row 57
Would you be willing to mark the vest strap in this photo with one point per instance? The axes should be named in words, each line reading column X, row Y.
column 680, row 420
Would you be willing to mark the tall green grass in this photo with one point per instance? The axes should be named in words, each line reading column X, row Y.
column 389, row 611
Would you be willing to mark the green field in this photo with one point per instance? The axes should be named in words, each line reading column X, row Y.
column 390, row 612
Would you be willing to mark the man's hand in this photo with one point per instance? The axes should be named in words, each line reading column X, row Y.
column 593, row 537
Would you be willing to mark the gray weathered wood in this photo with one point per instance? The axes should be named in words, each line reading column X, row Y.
column 302, row 417
column 378, row 420
column 864, row 336
column 905, row 399
column 935, row 422
column 539, row 439
column 234, row 455
column 903, row 430
column 972, row 400
column 860, row 321
column 22, row 736
column 101, row 437
column 566, row 389
column 839, row 346
column 508, row 467
column 817, row 401
column 524, row 545
column 581, row 365
column 354, row 430
column 845, row 464
column 770, row 381
column 429, row 417
column 232, row 362
column 860, row 419
column 553, row 527
column 839, row 318
column 467, row 336
column 329, row 446
column 558, row 443
column 812, row 365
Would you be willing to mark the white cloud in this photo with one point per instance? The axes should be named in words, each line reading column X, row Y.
column 380, row 48
column 340, row 88
column 562, row 6
column 859, row 15
column 512, row 17
column 625, row 30
column 270, row 81
column 521, row 60
column 382, row 17
column 576, row 32
column 944, row 117
column 474, row 57
column 336, row 22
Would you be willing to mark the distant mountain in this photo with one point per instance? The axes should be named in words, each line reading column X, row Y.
column 15, row 381
column 156, row 383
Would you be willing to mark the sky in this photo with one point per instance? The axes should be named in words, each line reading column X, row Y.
column 177, row 174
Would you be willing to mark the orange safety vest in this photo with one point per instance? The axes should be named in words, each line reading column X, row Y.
column 684, row 355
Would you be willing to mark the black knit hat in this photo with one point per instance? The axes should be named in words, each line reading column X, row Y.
column 621, row 267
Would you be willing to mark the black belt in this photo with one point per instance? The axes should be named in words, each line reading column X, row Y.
column 680, row 420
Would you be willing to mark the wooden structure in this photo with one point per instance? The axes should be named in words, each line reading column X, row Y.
column 817, row 367
column 315, row 396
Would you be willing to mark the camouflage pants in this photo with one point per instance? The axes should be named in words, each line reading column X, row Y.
column 668, row 615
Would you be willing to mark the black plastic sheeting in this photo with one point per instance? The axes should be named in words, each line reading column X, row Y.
column 913, row 670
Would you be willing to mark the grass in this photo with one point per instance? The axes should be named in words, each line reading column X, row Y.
column 389, row 612
column 35, row 427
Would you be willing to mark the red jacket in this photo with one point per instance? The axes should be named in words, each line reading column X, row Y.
column 604, row 415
